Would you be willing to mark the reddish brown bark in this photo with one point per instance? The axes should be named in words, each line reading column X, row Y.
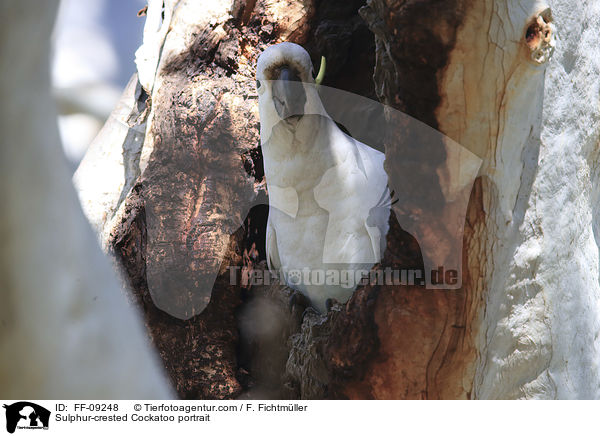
column 386, row 342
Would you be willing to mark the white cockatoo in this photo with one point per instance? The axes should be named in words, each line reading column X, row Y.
column 328, row 195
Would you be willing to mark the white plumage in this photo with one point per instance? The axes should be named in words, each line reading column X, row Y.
column 328, row 196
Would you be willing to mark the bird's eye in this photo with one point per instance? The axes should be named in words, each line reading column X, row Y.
column 257, row 84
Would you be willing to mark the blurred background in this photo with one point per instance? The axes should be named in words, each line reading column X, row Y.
column 93, row 58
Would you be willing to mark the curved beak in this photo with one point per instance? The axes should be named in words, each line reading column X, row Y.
column 288, row 94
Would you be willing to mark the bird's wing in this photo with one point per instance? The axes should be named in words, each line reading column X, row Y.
column 273, row 261
column 377, row 224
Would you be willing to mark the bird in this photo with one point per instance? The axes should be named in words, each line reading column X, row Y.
column 329, row 201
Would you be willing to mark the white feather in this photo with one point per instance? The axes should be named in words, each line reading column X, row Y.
column 323, row 188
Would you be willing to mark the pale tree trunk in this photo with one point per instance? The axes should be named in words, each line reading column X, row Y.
column 530, row 303
column 66, row 327
column 525, row 322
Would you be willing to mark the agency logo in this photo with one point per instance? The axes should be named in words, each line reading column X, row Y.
column 26, row 415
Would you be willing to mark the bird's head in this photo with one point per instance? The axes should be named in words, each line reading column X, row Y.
column 285, row 85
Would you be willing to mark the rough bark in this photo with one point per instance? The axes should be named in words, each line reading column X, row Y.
column 474, row 70
column 494, row 97
column 202, row 137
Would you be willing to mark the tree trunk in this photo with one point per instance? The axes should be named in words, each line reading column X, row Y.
column 66, row 328
column 186, row 167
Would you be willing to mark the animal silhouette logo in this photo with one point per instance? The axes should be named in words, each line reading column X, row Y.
column 26, row 415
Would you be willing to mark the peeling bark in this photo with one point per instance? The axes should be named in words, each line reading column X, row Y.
column 473, row 70
column 189, row 124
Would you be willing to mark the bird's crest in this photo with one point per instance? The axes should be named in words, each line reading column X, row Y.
column 321, row 74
